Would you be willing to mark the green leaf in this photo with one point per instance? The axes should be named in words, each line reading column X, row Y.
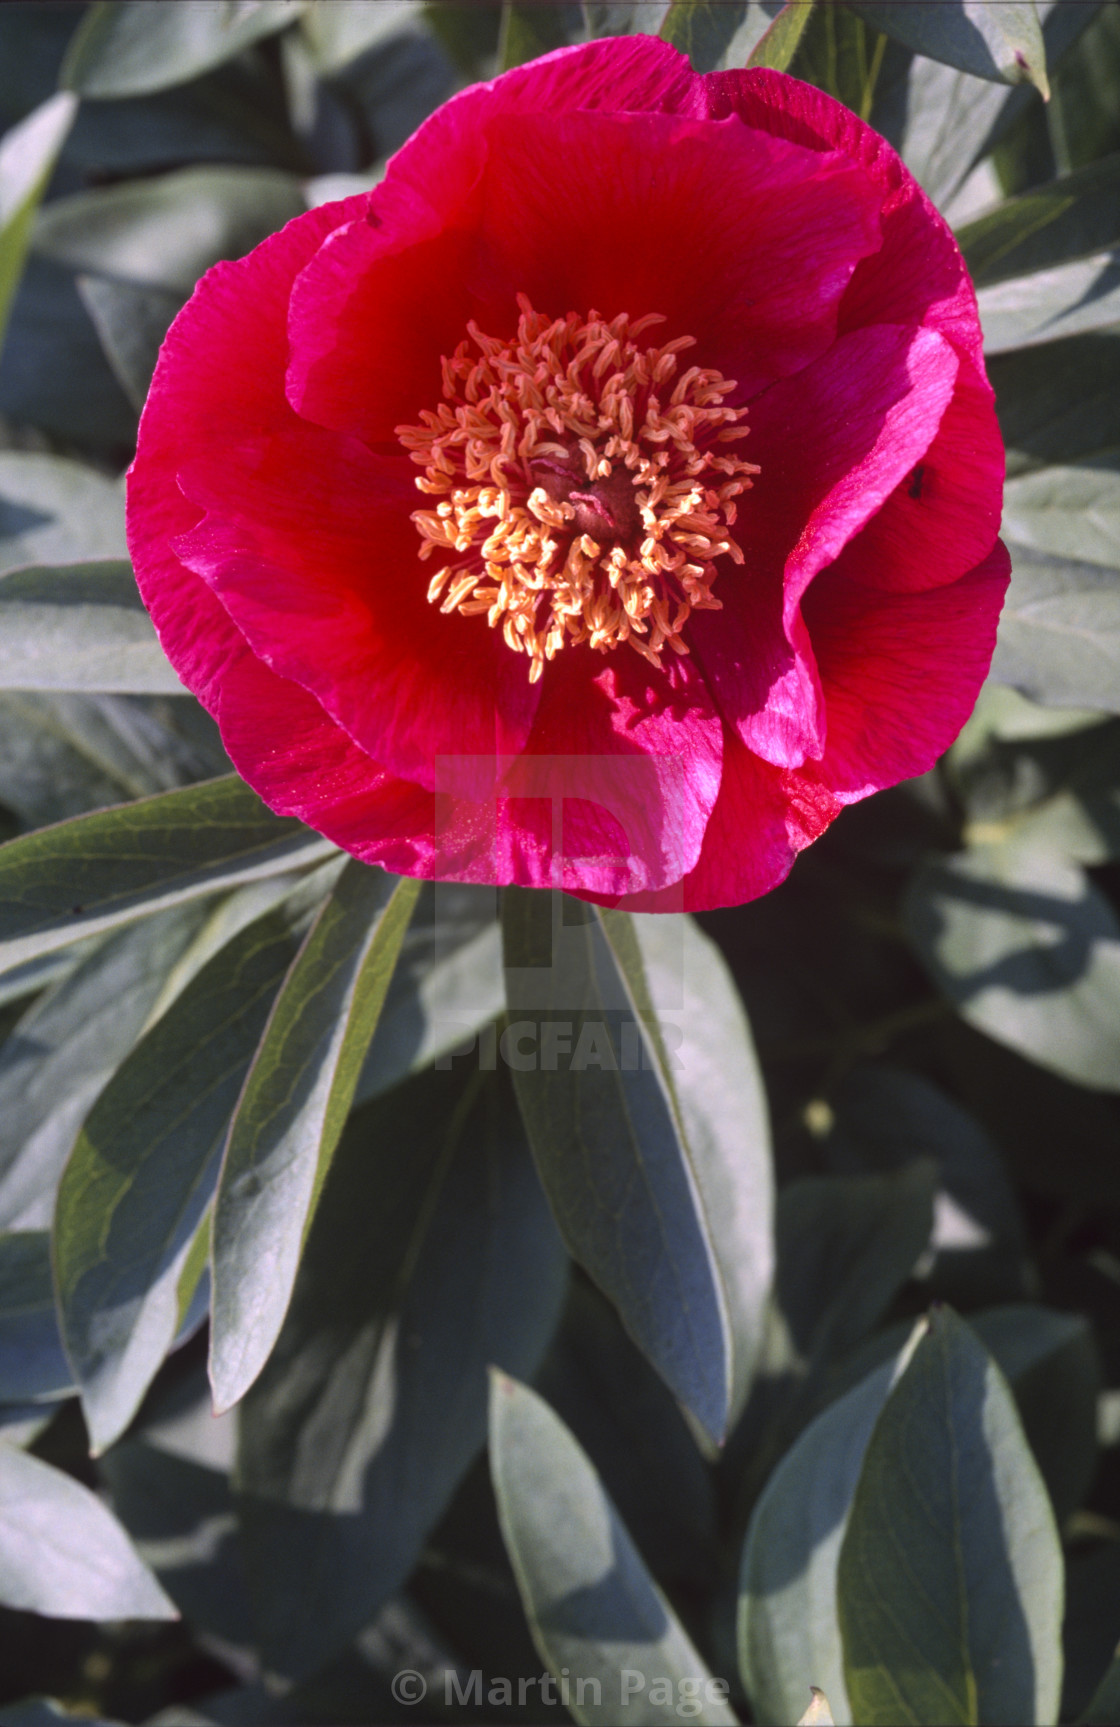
column 1067, row 513
column 132, row 322
column 948, row 118
column 80, row 627
column 1085, row 125
column 105, row 869
column 1059, row 403
column 788, row 1632
column 705, row 29
column 40, row 974
column 1003, row 718
column 62, row 753
column 654, row 1153
column 291, row 1114
column 846, row 1245
column 1002, row 42
column 63, row 1554
column 1028, row 951
column 132, row 47
column 1059, row 635
column 181, row 1517
column 624, row 17
column 845, row 57
column 1062, row 29
column 1079, row 815
column 53, row 373
column 55, row 511
column 1067, row 218
column 390, row 91
column 169, row 1481
column 697, row 1038
column 447, row 986
column 163, row 232
column 27, row 157
column 624, row 1415
column 788, row 1622
column 1043, row 776
column 777, row 46
column 529, row 30
column 144, row 1168
column 597, row 1617
column 22, row 1423
column 469, row 36
column 33, row 1363
column 45, row 1712
column 431, row 1255
column 886, row 1119
column 67, row 1047
column 1104, row 1706
column 1065, row 300
column 1051, row 1363
column 950, row 1579
column 338, row 33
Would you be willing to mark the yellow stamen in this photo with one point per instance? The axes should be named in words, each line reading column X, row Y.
column 579, row 485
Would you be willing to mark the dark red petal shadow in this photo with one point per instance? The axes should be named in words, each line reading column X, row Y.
column 337, row 604
column 832, row 445
column 941, row 521
column 918, row 275
column 901, row 672
column 200, row 397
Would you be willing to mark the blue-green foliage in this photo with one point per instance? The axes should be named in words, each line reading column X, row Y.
column 802, row 1298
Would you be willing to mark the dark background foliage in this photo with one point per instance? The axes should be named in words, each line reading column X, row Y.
column 230, row 1122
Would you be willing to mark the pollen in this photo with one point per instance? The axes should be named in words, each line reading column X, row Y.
column 583, row 484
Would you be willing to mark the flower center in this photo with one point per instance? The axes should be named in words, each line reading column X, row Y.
column 584, row 485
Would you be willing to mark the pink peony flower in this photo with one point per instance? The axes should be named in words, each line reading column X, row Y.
column 604, row 501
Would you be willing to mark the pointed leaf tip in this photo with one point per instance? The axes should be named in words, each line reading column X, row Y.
column 1000, row 42
column 818, row 1713
column 781, row 39
column 596, row 1615
column 950, row 1493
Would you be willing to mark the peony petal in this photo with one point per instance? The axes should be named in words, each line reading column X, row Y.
column 416, row 226
column 302, row 764
column 370, row 317
column 900, row 672
column 323, row 577
column 851, row 643
column 535, row 831
column 338, row 604
column 761, row 212
column 632, row 74
column 641, row 749
column 832, row 443
column 289, row 750
column 841, row 437
column 196, row 632
column 918, row 275
column 754, row 834
column 764, row 683
column 941, row 521
column 221, row 366
column 761, row 820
